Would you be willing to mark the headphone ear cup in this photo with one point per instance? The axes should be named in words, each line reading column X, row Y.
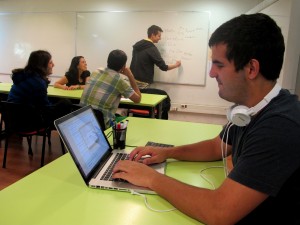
column 239, row 115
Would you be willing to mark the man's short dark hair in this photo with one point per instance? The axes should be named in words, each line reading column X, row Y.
column 254, row 36
column 153, row 30
column 116, row 59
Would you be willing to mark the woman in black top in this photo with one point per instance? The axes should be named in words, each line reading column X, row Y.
column 76, row 76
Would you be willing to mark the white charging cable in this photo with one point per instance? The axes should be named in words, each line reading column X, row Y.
column 224, row 152
column 224, row 155
column 147, row 204
column 205, row 178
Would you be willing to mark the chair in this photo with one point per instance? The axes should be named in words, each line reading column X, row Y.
column 166, row 105
column 61, row 108
column 1, row 120
column 25, row 121
column 141, row 113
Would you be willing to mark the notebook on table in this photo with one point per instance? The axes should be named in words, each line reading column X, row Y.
column 92, row 153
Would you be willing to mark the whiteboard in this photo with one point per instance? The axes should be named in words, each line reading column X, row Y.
column 184, row 37
column 22, row 33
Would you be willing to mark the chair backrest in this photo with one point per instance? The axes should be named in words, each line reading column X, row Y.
column 166, row 104
column 22, row 117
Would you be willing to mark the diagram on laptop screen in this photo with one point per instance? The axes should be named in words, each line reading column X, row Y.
column 86, row 140
column 89, row 135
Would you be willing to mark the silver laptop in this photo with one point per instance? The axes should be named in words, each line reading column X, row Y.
column 92, row 153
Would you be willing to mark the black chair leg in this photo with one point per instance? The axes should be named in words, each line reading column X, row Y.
column 43, row 150
column 1, row 124
column 49, row 137
column 29, row 140
column 5, row 153
column 62, row 146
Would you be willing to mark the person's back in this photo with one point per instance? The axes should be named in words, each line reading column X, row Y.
column 104, row 90
column 30, row 84
column 145, row 55
column 105, row 87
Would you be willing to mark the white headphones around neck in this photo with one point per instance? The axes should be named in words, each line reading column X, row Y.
column 240, row 115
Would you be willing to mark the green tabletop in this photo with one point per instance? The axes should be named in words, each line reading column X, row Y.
column 60, row 93
column 148, row 100
column 56, row 193
column 52, row 92
column 5, row 88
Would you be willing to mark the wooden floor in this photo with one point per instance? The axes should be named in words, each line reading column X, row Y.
column 19, row 164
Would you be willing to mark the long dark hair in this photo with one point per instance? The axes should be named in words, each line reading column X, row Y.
column 73, row 70
column 37, row 64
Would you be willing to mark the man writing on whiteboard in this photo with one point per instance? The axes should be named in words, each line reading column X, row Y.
column 145, row 55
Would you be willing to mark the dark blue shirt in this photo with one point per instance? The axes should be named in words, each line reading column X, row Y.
column 29, row 88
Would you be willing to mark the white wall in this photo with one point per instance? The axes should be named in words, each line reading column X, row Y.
column 292, row 60
column 201, row 99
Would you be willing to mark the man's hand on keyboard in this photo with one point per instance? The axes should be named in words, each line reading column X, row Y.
column 135, row 173
column 152, row 155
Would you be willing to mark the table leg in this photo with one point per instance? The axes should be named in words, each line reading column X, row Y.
column 159, row 110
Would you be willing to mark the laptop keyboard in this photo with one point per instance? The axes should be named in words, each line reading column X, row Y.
column 155, row 144
column 123, row 156
column 108, row 173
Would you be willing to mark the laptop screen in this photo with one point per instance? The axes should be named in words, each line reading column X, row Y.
column 84, row 139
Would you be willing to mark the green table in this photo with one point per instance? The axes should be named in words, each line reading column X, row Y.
column 56, row 193
column 148, row 102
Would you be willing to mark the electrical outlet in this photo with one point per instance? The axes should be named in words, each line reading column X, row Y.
column 174, row 109
column 183, row 106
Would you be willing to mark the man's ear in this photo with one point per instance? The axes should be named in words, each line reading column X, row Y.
column 122, row 69
column 152, row 37
column 253, row 68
